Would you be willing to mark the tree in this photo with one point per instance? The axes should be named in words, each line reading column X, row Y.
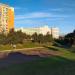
column 35, row 37
column 70, row 39
column 2, row 38
column 41, row 38
column 48, row 38
column 15, row 37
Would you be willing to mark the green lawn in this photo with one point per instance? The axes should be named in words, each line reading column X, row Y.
column 45, row 66
column 20, row 46
column 67, row 53
column 63, row 64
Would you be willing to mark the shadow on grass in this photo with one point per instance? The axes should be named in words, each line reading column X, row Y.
column 53, row 65
column 57, row 44
column 16, row 57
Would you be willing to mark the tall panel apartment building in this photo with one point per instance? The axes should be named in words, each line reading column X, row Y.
column 6, row 18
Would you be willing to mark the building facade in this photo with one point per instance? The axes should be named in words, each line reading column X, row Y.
column 55, row 32
column 41, row 30
column 6, row 18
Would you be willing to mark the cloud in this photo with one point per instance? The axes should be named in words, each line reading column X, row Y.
column 37, row 15
column 40, row 18
column 29, row 23
column 33, row 15
column 25, row 22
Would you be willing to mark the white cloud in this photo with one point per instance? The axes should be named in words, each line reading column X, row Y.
column 33, row 15
column 25, row 22
column 37, row 15
column 29, row 23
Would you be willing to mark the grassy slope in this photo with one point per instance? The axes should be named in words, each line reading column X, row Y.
column 20, row 46
column 63, row 64
column 66, row 53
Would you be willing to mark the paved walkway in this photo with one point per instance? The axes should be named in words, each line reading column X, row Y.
column 21, row 49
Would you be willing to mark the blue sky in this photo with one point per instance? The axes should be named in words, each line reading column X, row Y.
column 36, row 13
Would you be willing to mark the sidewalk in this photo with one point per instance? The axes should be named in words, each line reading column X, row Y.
column 21, row 49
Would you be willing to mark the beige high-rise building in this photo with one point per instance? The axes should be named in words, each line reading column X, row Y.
column 6, row 18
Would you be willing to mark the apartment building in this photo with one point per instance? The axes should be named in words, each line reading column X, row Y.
column 55, row 32
column 41, row 30
column 6, row 18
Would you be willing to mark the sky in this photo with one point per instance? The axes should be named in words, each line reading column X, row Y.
column 37, row 13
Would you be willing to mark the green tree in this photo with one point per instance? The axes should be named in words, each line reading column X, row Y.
column 48, row 38
column 15, row 37
column 35, row 37
column 2, row 38
column 70, row 38
column 41, row 38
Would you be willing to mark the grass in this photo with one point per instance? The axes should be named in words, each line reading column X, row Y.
column 63, row 64
column 31, row 45
column 5, row 47
column 66, row 53
column 20, row 46
column 45, row 66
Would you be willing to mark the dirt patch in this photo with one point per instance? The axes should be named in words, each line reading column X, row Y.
column 41, row 52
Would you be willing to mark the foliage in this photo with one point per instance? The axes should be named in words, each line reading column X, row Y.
column 40, row 38
column 2, row 38
column 35, row 37
column 70, row 39
column 19, row 38
column 48, row 38
column 13, row 37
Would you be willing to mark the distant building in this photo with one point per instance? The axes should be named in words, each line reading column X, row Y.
column 41, row 30
column 44, row 30
column 6, row 18
column 55, row 32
